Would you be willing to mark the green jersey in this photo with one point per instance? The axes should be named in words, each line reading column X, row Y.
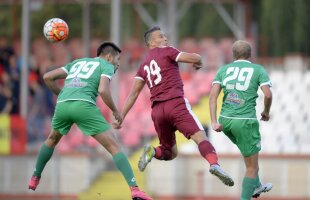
column 83, row 79
column 240, row 81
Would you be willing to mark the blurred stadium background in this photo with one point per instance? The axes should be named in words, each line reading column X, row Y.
column 80, row 169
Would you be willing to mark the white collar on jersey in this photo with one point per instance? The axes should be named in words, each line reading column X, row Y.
column 242, row 61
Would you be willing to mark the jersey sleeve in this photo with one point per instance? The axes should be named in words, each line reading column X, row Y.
column 107, row 70
column 264, row 78
column 218, row 77
column 67, row 67
column 173, row 53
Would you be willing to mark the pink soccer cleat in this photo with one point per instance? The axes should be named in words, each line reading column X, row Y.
column 34, row 182
column 137, row 194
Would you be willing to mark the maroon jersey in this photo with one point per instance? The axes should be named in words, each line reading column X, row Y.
column 160, row 71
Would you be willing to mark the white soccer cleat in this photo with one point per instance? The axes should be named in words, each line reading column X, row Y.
column 146, row 157
column 262, row 188
column 223, row 176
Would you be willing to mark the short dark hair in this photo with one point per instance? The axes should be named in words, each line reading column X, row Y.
column 108, row 47
column 147, row 34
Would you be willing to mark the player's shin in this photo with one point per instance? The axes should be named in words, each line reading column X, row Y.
column 124, row 167
column 44, row 156
column 208, row 152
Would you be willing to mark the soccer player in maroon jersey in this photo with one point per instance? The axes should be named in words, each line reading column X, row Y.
column 170, row 110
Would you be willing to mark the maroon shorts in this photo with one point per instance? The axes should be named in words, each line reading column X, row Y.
column 172, row 115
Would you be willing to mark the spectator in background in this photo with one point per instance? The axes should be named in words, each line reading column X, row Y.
column 134, row 52
column 10, row 77
column 37, row 110
column 14, row 73
column 49, row 97
column 240, row 81
column 5, row 53
column 6, row 102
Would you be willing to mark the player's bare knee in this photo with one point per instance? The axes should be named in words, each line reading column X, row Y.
column 53, row 139
column 112, row 148
column 199, row 136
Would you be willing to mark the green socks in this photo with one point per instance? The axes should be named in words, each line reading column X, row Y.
column 124, row 167
column 44, row 156
column 119, row 159
column 248, row 187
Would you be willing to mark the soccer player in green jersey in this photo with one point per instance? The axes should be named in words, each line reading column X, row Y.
column 76, row 103
column 240, row 81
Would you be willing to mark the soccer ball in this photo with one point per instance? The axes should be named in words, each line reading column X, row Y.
column 56, row 30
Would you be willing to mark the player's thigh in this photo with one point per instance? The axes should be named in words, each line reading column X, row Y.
column 89, row 119
column 247, row 135
column 227, row 127
column 165, row 130
column 183, row 117
column 62, row 118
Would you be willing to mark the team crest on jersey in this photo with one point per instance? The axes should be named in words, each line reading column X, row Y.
column 75, row 83
column 233, row 98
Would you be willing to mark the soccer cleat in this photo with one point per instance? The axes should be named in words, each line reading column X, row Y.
column 223, row 176
column 137, row 194
column 34, row 182
column 146, row 157
column 262, row 188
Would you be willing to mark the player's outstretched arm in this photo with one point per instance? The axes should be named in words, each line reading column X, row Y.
column 130, row 101
column 133, row 95
column 51, row 76
column 105, row 94
column 191, row 58
column 267, row 102
column 215, row 91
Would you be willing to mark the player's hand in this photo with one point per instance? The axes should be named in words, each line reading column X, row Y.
column 216, row 126
column 116, row 125
column 118, row 117
column 265, row 116
column 197, row 66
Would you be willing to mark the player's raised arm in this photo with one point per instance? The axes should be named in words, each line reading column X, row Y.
column 215, row 91
column 190, row 58
column 130, row 101
column 51, row 76
column 134, row 93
